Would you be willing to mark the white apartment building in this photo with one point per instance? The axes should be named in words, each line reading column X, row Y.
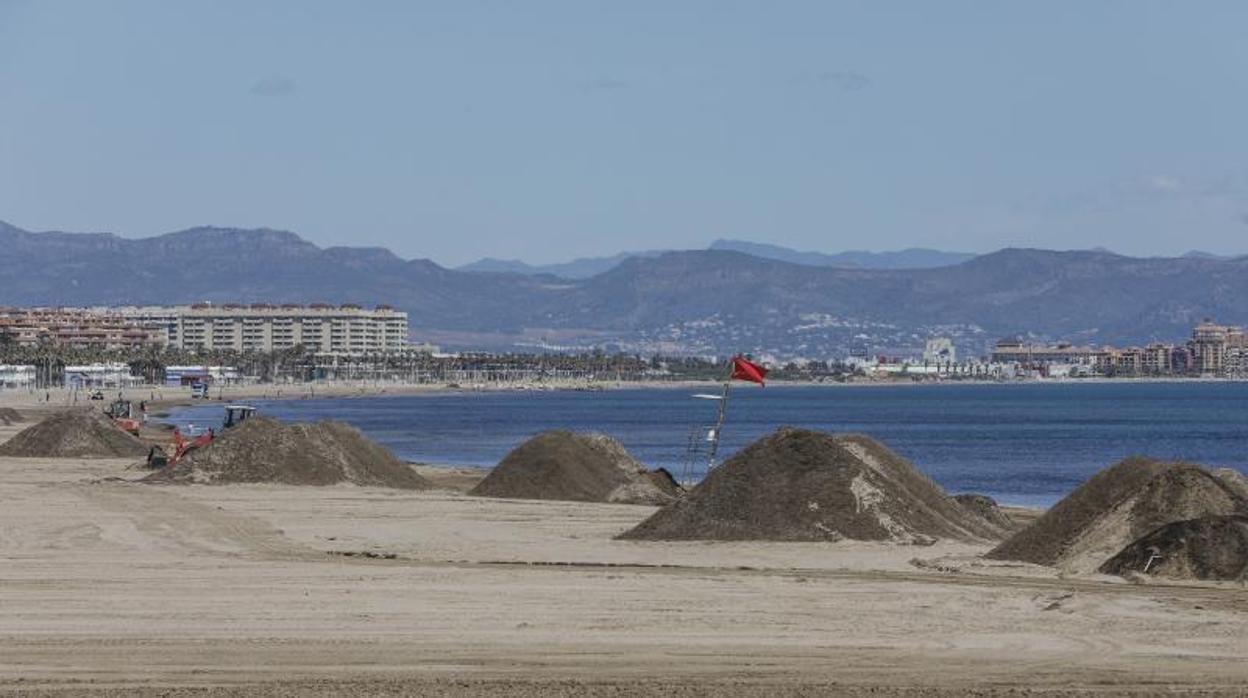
column 322, row 328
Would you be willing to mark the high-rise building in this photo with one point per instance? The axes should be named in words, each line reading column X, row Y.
column 1210, row 344
column 320, row 328
column 75, row 327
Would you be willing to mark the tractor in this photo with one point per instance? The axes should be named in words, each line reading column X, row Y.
column 122, row 414
column 237, row 414
column 234, row 415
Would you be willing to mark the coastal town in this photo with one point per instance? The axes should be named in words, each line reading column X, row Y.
column 232, row 344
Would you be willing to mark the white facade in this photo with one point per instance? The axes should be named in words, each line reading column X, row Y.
column 324, row 329
column 940, row 350
column 100, row 376
column 185, row 375
column 16, row 376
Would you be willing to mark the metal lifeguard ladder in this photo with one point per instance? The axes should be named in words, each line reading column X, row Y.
column 702, row 447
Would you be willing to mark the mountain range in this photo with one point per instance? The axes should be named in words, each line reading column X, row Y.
column 585, row 267
column 701, row 301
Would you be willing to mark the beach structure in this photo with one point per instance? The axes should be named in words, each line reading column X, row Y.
column 702, row 447
column 101, row 375
column 200, row 375
column 16, row 376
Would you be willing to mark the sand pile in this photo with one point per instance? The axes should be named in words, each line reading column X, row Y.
column 1210, row 547
column 1115, row 507
column 802, row 485
column 80, row 433
column 986, row 508
column 10, row 416
column 664, row 480
column 576, row 467
column 266, row 450
column 1233, row 479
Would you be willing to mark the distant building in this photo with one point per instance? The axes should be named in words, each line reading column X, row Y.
column 940, row 350
column 1218, row 350
column 16, row 376
column 1181, row 361
column 320, row 328
column 1157, row 360
column 75, row 327
column 113, row 375
column 1015, row 351
column 189, row 375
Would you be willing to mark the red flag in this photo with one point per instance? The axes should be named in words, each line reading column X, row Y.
column 744, row 370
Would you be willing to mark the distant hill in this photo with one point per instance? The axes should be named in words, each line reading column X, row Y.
column 706, row 301
column 580, row 268
column 1200, row 254
column 911, row 258
column 585, row 267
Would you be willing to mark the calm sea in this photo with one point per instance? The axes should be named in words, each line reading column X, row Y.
column 1023, row 444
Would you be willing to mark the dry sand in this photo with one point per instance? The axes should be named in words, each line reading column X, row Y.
column 112, row 587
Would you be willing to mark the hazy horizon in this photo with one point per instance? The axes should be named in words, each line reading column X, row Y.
column 555, row 131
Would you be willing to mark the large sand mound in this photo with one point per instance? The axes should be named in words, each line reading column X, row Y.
column 1233, row 479
column 1115, row 507
column 266, row 450
column 986, row 508
column 576, row 467
column 79, row 433
column 802, row 485
column 1210, row 547
column 9, row 416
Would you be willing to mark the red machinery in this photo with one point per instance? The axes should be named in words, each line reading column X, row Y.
column 121, row 412
column 234, row 415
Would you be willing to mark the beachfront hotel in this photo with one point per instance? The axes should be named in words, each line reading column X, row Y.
column 342, row 330
column 77, row 328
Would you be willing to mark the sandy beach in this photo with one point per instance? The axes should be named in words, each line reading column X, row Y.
column 110, row 587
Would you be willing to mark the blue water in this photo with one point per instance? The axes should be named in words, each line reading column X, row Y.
column 1021, row 443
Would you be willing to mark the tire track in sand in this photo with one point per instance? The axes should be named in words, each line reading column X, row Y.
column 170, row 520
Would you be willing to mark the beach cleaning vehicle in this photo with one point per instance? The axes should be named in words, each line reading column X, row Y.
column 234, row 415
column 157, row 458
column 237, row 414
column 183, row 446
column 122, row 414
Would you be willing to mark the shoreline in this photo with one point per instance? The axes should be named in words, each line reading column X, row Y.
column 314, row 391
column 161, row 397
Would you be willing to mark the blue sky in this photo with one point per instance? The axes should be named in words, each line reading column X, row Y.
column 550, row 130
